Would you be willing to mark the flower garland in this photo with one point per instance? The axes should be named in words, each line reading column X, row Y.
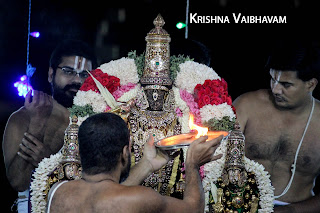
column 212, row 92
column 197, row 89
column 108, row 81
column 39, row 182
column 195, row 73
column 216, row 109
column 264, row 185
column 124, row 69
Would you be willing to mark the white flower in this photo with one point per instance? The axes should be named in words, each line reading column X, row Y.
column 125, row 69
column 91, row 98
column 184, row 120
column 216, row 111
column 264, row 185
column 192, row 73
column 39, row 182
column 130, row 94
column 81, row 119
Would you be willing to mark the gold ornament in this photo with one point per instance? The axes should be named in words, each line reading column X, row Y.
column 157, row 58
column 218, row 207
column 237, row 201
column 254, row 205
column 247, row 196
column 70, row 166
column 70, row 150
column 247, row 187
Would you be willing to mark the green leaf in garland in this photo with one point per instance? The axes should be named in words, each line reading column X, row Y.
column 81, row 111
column 139, row 61
column 175, row 61
column 220, row 125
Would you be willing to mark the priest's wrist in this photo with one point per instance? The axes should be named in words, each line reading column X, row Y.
column 189, row 164
column 145, row 163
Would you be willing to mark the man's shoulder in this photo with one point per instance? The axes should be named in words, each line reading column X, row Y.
column 253, row 97
column 20, row 116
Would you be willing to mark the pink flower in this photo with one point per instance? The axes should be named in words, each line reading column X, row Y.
column 123, row 89
column 201, row 172
column 107, row 108
column 193, row 106
column 178, row 112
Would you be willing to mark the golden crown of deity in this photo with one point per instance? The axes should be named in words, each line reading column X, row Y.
column 235, row 149
column 70, row 150
column 70, row 165
column 157, row 58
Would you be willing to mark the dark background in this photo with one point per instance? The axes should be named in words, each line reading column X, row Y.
column 238, row 51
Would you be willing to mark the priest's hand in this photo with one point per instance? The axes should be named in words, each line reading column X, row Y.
column 39, row 107
column 33, row 150
column 156, row 157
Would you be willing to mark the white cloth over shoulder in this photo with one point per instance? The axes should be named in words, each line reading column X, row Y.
column 280, row 203
column 51, row 193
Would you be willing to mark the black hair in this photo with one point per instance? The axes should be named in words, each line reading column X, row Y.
column 102, row 138
column 72, row 47
column 296, row 55
column 192, row 48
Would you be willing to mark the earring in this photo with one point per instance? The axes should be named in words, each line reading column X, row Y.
column 169, row 103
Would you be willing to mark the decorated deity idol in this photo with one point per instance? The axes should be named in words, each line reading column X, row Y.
column 63, row 166
column 236, row 190
column 154, row 112
column 156, row 93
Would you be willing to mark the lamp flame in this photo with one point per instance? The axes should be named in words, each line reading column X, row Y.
column 201, row 130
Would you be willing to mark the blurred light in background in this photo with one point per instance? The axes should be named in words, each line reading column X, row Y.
column 23, row 86
column 35, row 34
column 180, row 25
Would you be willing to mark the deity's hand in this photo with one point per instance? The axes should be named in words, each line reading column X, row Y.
column 202, row 151
column 156, row 157
column 33, row 150
column 39, row 106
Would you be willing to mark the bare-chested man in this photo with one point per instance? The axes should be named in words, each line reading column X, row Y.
column 37, row 129
column 277, row 122
column 105, row 158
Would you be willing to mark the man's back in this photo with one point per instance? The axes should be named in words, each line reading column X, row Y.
column 106, row 196
column 272, row 138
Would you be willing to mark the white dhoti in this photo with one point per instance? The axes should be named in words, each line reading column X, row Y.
column 22, row 201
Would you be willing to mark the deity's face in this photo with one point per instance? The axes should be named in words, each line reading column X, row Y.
column 67, row 79
column 234, row 176
column 288, row 90
column 72, row 171
column 156, row 98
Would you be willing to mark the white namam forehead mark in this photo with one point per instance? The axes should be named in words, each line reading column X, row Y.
column 79, row 63
column 275, row 74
